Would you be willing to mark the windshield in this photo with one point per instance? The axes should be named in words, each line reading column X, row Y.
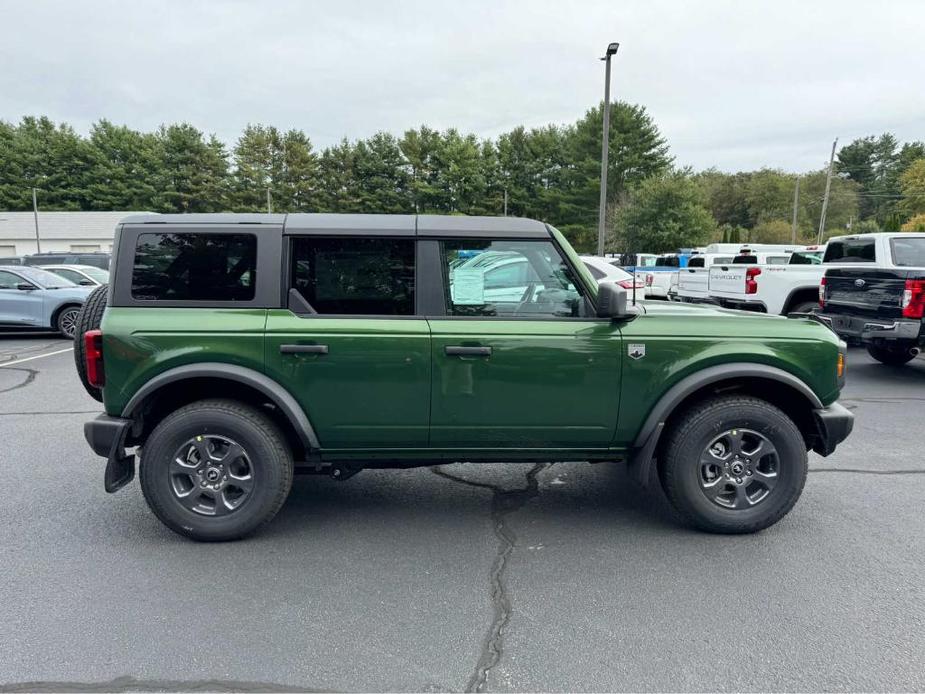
column 908, row 252
column 806, row 258
column 43, row 278
column 98, row 274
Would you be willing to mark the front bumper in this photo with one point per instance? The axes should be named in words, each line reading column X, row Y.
column 106, row 436
column 833, row 425
column 861, row 329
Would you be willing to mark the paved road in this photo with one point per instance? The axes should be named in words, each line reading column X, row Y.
column 506, row 578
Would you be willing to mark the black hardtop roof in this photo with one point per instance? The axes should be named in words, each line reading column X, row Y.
column 377, row 224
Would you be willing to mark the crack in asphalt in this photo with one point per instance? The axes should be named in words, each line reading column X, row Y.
column 130, row 684
column 30, row 376
column 860, row 471
column 26, row 352
column 503, row 502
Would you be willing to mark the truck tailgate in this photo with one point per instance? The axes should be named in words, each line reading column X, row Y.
column 865, row 291
column 728, row 281
column 693, row 281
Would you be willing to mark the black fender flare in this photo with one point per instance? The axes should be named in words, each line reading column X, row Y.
column 793, row 292
column 274, row 392
column 641, row 457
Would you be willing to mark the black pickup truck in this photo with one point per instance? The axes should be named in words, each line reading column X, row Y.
column 876, row 294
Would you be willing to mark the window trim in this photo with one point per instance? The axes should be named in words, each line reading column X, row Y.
column 286, row 275
column 443, row 293
column 266, row 289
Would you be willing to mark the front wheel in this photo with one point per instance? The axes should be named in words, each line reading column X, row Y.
column 216, row 470
column 66, row 321
column 894, row 355
column 734, row 464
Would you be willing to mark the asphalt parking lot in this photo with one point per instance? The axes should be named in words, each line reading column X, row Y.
column 496, row 578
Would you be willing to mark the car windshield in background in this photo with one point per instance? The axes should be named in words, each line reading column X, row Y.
column 98, row 274
column 43, row 278
column 806, row 258
column 908, row 252
column 668, row 261
column 850, row 251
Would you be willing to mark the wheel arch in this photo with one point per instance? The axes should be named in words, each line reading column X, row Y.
column 53, row 321
column 799, row 295
column 183, row 384
column 770, row 383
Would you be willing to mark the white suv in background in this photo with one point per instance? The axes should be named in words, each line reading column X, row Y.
column 603, row 270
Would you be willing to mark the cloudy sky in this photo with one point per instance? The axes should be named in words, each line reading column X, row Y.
column 736, row 85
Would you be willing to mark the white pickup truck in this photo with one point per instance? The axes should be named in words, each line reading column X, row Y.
column 694, row 280
column 771, row 282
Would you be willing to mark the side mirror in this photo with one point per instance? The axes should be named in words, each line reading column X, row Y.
column 86, row 283
column 611, row 301
column 25, row 287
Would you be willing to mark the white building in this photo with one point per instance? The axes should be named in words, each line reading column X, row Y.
column 77, row 232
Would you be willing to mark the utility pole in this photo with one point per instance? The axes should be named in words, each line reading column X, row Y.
column 505, row 202
column 825, row 200
column 796, row 203
column 605, row 148
column 35, row 212
column 269, row 203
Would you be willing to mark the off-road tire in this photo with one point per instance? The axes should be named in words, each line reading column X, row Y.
column 891, row 356
column 692, row 432
column 269, row 455
column 89, row 318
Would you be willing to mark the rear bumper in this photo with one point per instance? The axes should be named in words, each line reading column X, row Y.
column 106, row 436
column 862, row 329
column 833, row 425
column 741, row 304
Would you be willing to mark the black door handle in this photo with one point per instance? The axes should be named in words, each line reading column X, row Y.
column 458, row 351
column 303, row 349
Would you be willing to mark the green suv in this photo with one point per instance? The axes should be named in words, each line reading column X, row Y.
column 233, row 351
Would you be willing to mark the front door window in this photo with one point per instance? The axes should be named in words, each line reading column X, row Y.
column 508, row 279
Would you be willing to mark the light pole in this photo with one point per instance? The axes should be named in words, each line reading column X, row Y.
column 35, row 211
column 605, row 147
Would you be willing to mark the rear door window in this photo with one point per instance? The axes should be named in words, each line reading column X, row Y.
column 194, row 267
column 696, row 262
column 908, row 252
column 860, row 250
column 745, row 260
column 355, row 276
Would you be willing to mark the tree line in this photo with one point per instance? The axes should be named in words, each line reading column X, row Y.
column 549, row 173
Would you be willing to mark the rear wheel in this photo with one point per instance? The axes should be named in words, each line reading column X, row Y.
column 734, row 464
column 894, row 355
column 216, row 470
column 89, row 318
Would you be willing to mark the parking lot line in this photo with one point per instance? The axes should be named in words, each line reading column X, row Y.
column 37, row 356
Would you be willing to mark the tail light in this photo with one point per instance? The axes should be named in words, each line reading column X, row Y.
column 751, row 284
column 822, row 293
column 627, row 284
column 650, row 278
column 93, row 356
column 914, row 299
